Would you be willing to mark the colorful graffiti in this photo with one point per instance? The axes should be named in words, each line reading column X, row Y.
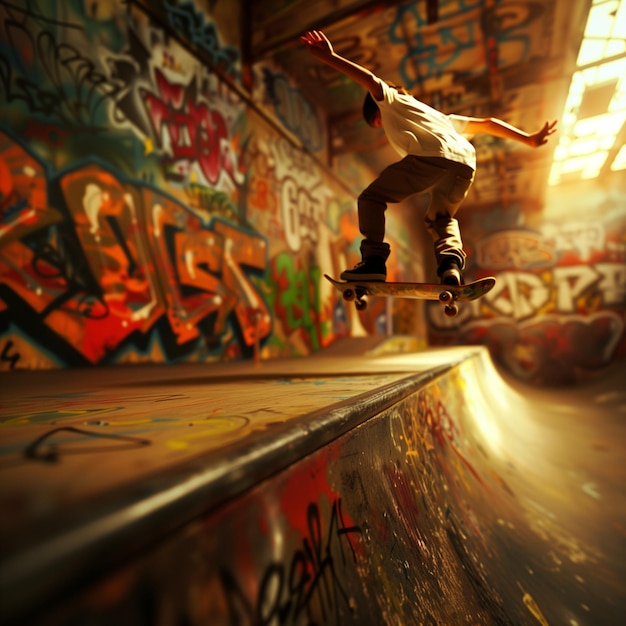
column 464, row 32
column 557, row 308
column 293, row 110
column 201, row 32
column 147, row 213
column 310, row 581
column 117, row 259
column 191, row 133
column 151, row 210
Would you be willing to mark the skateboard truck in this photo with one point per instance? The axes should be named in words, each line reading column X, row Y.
column 356, row 295
column 450, row 308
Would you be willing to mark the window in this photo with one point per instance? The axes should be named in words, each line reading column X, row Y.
column 593, row 127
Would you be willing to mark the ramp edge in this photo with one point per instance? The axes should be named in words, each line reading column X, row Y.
column 121, row 526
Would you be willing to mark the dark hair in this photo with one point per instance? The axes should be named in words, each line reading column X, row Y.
column 369, row 109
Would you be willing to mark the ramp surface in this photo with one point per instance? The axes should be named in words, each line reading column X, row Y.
column 370, row 487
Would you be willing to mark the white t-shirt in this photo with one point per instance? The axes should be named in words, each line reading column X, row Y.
column 413, row 127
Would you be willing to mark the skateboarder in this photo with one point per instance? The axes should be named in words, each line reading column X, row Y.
column 436, row 158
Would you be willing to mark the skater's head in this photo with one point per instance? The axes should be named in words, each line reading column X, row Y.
column 371, row 112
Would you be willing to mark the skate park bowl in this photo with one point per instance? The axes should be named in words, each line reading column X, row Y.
column 363, row 485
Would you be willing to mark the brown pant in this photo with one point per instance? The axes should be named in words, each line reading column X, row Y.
column 447, row 182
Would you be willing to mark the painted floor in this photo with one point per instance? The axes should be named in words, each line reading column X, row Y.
column 68, row 437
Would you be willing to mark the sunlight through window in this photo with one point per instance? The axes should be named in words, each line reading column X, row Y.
column 593, row 122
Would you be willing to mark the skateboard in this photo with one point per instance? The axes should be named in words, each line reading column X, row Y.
column 448, row 295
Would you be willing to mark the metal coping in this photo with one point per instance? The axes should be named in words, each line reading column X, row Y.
column 120, row 526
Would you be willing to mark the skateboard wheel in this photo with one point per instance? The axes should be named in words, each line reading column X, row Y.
column 451, row 310
column 445, row 296
column 348, row 295
column 360, row 305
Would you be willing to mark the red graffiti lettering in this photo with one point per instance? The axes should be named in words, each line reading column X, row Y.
column 189, row 130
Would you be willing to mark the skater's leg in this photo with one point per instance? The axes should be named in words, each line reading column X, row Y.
column 447, row 196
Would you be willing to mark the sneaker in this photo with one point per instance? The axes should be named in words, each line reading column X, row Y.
column 450, row 274
column 371, row 268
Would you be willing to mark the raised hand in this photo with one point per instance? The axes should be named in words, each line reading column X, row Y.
column 320, row 47
column 541, row 136
column 318, row 44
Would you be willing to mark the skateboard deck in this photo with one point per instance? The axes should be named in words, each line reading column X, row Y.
column 448, row 295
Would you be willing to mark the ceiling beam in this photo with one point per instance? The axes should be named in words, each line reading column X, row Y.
column 277, row 33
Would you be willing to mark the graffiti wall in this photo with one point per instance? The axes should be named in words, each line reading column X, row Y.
column 558, row 310
column 557, row 313
column 151, row 209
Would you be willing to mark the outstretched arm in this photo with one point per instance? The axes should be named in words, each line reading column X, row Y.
column 321, row 48
column 498, row 128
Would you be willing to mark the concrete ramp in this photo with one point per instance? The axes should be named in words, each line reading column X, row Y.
column 373, row 488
